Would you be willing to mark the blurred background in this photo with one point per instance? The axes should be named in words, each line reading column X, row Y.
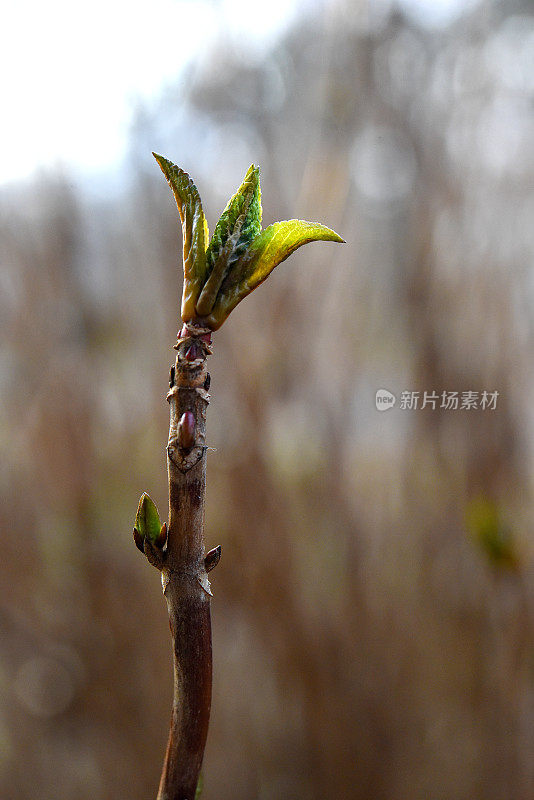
column 374, row 607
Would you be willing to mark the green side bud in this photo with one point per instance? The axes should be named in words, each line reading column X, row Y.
column 491, row 534
column 147, row 522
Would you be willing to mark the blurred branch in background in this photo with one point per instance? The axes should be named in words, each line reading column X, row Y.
column 365, row 645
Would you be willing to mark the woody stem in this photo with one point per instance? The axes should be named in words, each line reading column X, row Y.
column 183, row 569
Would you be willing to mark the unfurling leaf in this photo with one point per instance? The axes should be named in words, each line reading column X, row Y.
column 240, row 255
column 266, row 251
column 147, row 522
column 240, row 222
column 195, row 233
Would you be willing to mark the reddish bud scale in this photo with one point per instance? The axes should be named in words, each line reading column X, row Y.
column 162, row 536
column 193, row 352
column 138, row 539
column 186, row 333
column 186, row 430
column 212, row 558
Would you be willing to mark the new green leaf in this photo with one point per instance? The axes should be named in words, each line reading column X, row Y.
column 268, row 249
column 195, row 233
column 240, row 222
column 147, row 522
column 240, row 255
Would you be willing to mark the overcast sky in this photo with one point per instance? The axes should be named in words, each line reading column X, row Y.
column 73, row 72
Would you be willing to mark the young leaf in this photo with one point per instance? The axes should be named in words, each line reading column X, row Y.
column 147, row 521
column 195, row 233
column 240, row 222
column 266, row 251
column 231, row 213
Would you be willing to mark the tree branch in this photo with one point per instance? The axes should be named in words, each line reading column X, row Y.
column 217, row 276
column 184, row 567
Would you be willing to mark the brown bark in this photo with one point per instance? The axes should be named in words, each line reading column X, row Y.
column 184, row 566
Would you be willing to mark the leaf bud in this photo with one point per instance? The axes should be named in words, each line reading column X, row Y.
column 186, row 430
